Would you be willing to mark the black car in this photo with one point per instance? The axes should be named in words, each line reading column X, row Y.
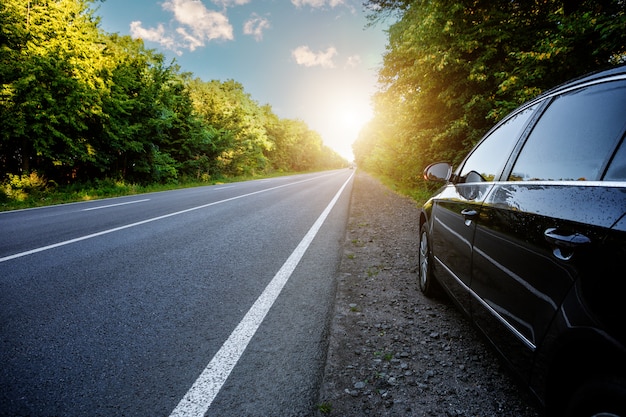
column 528, row 237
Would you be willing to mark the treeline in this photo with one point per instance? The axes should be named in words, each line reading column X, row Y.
column 453, row 68
column 78, row 104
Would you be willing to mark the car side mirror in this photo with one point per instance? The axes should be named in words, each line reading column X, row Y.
column 439, row 171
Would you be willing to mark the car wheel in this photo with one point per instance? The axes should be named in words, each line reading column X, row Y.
column 427, row 282
column 599, row 398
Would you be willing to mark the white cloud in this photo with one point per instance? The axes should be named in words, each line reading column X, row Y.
column 153, row 35
column 353, row 61
column 317, row 3
column 190, row 41
column 304, row 56
column 196, row 25
column 204, row 23
column 255, row 26
column 230, row 3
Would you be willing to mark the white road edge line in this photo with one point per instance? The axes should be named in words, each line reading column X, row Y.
column 127, row 226
column 115, row 205
column 198, row 399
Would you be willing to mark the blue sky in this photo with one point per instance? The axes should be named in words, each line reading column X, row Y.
column 312, row 60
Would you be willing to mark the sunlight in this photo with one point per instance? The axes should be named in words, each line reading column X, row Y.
column 339, row 112
column 352, row 120
column 348, row 118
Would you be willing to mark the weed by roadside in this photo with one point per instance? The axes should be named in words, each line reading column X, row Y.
column 373, row 271
column 32, row 190
column 325, row 407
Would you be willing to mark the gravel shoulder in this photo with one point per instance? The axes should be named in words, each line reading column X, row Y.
column 392, row 351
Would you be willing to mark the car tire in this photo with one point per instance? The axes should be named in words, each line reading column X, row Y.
column 599, row 398
column 427, row 283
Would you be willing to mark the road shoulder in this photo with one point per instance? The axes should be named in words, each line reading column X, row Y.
column 393, row 352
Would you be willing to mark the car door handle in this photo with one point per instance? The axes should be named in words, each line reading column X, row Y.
column 565, row 243
column 469, row 213
column 568, row 240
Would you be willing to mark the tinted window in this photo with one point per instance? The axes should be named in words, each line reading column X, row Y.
column 487, row 160
column 575, row 136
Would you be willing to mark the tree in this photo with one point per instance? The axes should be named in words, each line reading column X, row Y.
column 455, row 67
column 138, row 110
column 238, row 121
column 51, row 76
column 78, row 104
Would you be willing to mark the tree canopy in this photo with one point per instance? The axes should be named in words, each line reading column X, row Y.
column 78, row 104
column 453, row 68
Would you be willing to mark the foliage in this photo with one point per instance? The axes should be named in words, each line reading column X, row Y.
column 239, row 122
column 325, row 407
column 20, row 187
column 78, row 105
column 297, row 148
column 453, row 68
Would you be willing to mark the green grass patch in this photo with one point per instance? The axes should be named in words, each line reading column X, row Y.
column 419, row 193
column 325, row 407
column 372, row 271
column 31, row 190
column 386, row 356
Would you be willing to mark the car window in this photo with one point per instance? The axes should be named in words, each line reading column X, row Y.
column 617, row 169
column 575, row 136
column 486, row 161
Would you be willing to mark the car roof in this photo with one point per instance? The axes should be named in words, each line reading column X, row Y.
column 584, row 79
column 597, row 76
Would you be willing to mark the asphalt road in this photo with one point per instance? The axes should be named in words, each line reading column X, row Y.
column 206, row 301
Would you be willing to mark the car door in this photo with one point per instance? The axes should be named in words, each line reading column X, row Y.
column 457, row 208
column 543, row 228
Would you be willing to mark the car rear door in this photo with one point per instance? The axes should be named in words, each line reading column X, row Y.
column 543, row 228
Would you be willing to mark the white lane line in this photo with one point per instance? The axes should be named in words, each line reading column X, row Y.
column 198, row 399
column 127, row 226
column 115, row 205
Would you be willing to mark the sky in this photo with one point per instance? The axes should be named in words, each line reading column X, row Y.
column 312, row 60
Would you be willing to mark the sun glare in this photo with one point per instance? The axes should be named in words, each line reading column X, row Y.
column 350, row 115
column 352, row 121
column 339, row 118
column 347, row 121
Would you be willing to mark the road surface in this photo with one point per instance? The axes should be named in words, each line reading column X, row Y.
column 205, row 301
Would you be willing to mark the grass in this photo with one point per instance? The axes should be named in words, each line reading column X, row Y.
column 386, row 356
column 418, row 193
column 325, row 407
column 358, row 243
column 373, row 271
column 31, row 191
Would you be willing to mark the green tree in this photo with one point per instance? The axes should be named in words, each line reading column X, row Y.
column 78, row 104
column 290, row 151
column 297, row 147
column 238, row 121
column 453, row 68
column 147, row 117
column 51, row 74
column 131, row 131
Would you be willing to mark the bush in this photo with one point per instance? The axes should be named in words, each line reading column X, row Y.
column 25, row 186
